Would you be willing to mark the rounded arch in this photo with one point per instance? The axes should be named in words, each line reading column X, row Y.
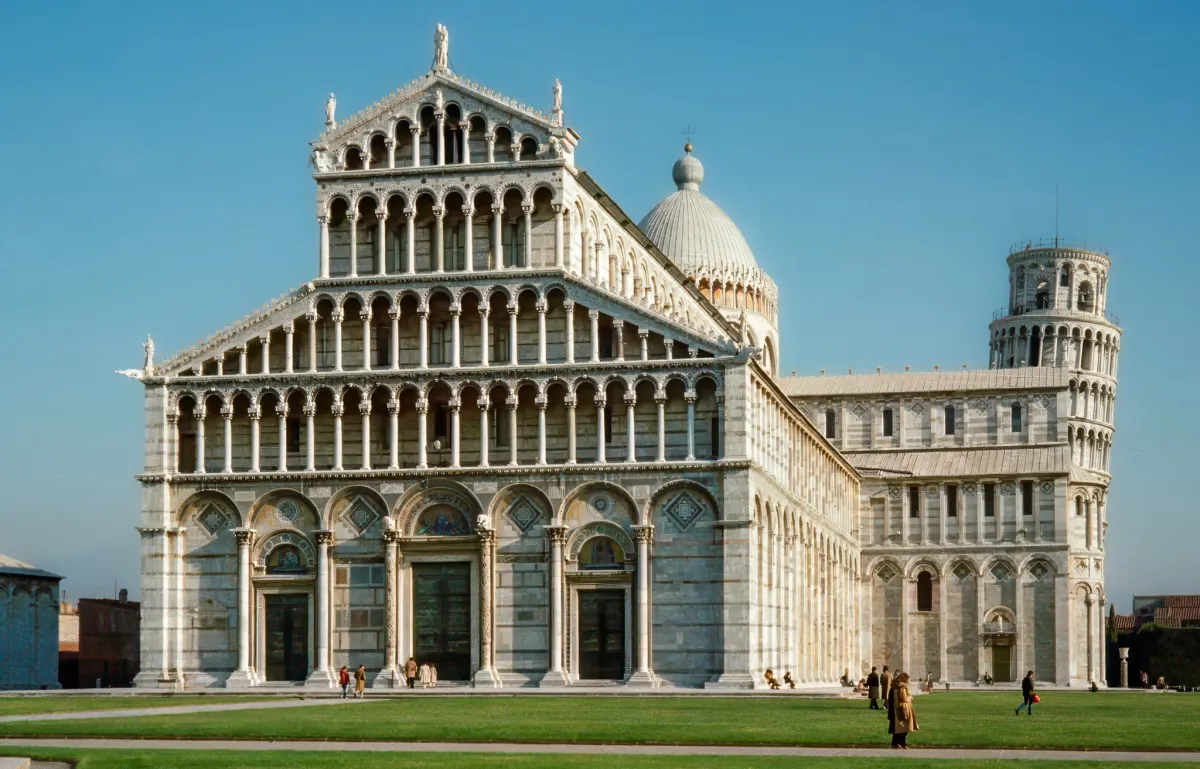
column 523, row 506
column 198, row 504
column 591, row 487
column 271, row 510
column 922, row 564
column 284, row 538
column 671, row 496
column 423, row 496
column 344, row 500
column 580, row 536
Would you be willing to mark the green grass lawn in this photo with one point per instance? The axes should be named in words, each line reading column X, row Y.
column 22, row 706
column 1076, row 720
column 221, row 759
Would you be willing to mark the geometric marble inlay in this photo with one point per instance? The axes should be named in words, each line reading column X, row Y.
column 212, row 520
column 361, row 516
column 887, row 574
column 524, row 514
column 962, row 571
column 684, row 510
column 1000, row 572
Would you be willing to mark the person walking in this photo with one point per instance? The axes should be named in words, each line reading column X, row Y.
column 873, row 688
column 1026, row 693
column 344, row 680
column 902, row 719
column 410, row 673
column 360, row 681
column 885, row 684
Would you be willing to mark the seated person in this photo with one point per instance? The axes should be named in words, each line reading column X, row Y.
column 787, row 679
column 772, row 681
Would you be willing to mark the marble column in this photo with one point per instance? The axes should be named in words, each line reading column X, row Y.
column 541, row 405
column 227, row 417
column 569, row 310
column 455, row 432
column 468, row 232
column 455, row 344
column 556, row 676
column 338, row 410
column 541, row 326
column 394, row 339
column 660, row 401
column 497, row 245
column 423, row 336
column 558, row 235
column 337, row 316
column 289, row 347
column 390, row 675
column 393, row 407
column 600, row 402
column 594, row 318
column 364, row 410
column 264, row 342
column 416, row 145
column 630, row 427
column 439, row 238
column 690, row 397
column 527, row 210
column 365, row 317
column 312, row 342
column 486, row 676
column 324, row 261
column 642, row 674
column 512, row 431
column 244, row 677
column 410, row 240
column 352, row 218
column 422, row 432
column 322, row 675
column 310, row 437
column 569, row 402
column 381, row 242
column 483, row 336
column 512, row 334
column 255, row 413
column 483, row 430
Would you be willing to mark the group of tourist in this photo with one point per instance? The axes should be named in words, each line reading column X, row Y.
column 426, row 673
column 898, row 699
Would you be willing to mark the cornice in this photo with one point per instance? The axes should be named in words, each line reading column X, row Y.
column 458, row 169
column 609, row 470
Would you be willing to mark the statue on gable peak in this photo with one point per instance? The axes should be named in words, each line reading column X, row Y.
column 441, row 49
column 330, row 108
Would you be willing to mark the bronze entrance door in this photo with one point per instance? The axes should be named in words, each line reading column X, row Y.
column 442, row 618
column 287, row 637
column 1002, row 663
column 602, row 634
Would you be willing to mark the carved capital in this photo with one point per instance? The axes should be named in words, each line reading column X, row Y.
column 324, row 537
column 569, row 306
column 244, row 537
column 422, row 407
column 391, row 536
column 557, row 534
column 643, row 534
column 557, row 207
column 393, row 406
column 468, row 211
column 255, row 413
column 380, row 215
column 364, row 407
column 338, row 315
column 593, row 314
column 281, row 409
column 310, row 410
column 527, row 209
column 365, row 315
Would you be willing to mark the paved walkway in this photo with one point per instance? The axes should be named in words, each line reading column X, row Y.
column 1109, row 757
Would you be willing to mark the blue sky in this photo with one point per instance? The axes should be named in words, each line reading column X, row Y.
column 880, row 158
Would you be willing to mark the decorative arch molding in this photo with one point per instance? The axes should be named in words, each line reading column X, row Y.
column 590, row 488
column 884, row 568
column 963, row 569
column 282, row 538
column 197, row 505
column 671, row 493
column 580, row 536
column 346, row 503
column 522, row 505
column 918, row 565
column 285, row 517
column 426, row 495
column 996, row 562
column 1028, row 562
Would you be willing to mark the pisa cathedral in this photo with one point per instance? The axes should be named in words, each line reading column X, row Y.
column 508, row 431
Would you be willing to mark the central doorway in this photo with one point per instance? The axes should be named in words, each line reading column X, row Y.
column 442, row 618
column 602, row 634
column 1002, row 663
column 287, row 637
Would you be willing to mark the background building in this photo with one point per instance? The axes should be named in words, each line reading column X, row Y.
column 28, row 626
column 109, row 632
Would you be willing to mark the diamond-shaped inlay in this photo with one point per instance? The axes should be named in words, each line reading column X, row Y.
column 1008, row 489
column 361, row 516
column 886, row 574
column 684, row 510
column 1047, row 488
column 917, row 408
column 970, row 488
column 1000, row 572
column 212, row 520
column 963, row 572
column 1038, row 571
column 894, row 492
column 524, row 514
column 287, row 512
column 859, row 410
column 981, row 406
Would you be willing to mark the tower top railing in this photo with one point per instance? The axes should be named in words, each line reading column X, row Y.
column 1061, row 307
column 1060, row 243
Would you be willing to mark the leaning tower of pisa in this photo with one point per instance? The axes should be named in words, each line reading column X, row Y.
column 1057, row 317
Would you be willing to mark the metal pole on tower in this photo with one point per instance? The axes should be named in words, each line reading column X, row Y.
column 1056, row 216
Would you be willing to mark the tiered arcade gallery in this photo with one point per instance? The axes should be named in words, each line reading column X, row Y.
column 501, row 432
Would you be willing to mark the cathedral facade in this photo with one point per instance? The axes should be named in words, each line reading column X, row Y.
column 507, row 431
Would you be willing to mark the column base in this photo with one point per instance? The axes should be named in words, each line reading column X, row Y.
column 388, row 678
column 486, row 678
column 320, row 679
column 554, row 680
column 731, row 681
column 157, row 680
column 643, row 679
column 242, row 679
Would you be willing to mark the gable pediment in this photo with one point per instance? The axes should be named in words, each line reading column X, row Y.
column 439, row 91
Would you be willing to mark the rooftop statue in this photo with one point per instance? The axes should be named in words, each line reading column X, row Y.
column 330, row 107
column 441, row 48
column 148, row 348
column 557, row 95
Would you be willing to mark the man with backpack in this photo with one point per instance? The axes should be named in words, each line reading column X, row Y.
column 1027, row 693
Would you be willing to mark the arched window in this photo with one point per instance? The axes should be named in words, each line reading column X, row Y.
column 601, row 553
column 949, row 420
column 1016, row 417
column 924, row 592
column 830, row 423
column 887, row 423
column 1064, row 278
column 1085, row 302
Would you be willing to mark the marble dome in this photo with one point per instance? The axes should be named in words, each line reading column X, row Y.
column 693, row 231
